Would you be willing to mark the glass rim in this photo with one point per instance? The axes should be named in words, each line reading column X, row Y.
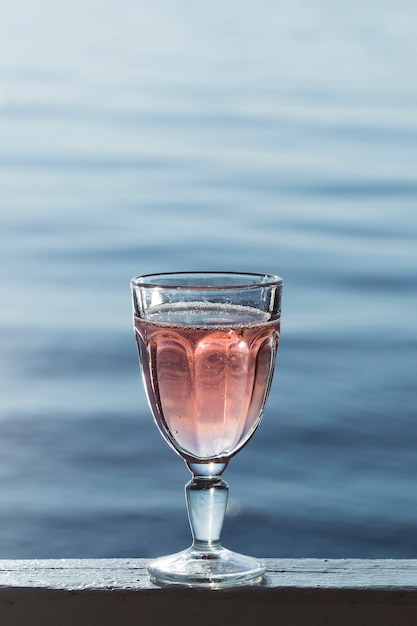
column 151, row 280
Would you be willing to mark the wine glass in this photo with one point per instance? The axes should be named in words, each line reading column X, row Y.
column 207, row 343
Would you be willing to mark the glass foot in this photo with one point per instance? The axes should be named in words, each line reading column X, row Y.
column 213, row 568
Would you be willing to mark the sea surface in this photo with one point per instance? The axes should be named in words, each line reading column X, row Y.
column 276, row 136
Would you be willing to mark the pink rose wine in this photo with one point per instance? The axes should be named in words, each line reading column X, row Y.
column 207, row 343
column 207, row 370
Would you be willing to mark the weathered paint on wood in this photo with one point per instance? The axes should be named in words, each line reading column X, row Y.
column 295, row 592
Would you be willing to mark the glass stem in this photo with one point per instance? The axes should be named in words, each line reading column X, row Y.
column 206, row 505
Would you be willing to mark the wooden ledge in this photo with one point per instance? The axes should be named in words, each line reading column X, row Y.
column 296, row 592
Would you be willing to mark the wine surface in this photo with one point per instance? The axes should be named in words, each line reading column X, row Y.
column 207, row 370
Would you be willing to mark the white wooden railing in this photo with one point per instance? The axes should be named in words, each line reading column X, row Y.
column 296, row 592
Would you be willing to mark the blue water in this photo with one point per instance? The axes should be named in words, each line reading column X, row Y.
column 155, row 136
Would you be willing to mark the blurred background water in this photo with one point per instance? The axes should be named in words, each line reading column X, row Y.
column 273, row 136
